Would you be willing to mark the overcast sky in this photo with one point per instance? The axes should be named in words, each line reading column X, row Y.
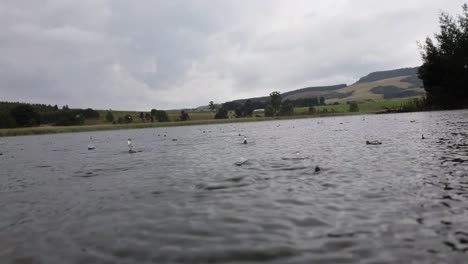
column 138, row 55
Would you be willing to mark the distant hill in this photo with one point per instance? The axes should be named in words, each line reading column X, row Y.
column 399, row 83
column 312, row 92
column 381, row 75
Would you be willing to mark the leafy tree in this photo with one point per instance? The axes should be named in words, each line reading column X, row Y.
column 275, row 100
column 153, row 112
column 128, row 119
column 222, row 114
column 269, row 111
column 248, row 108
column 353, row 107
column 287, row 109
column 7, row 120
column 148, row 117
column 25, row 115
column 445, row 63
column 212, row 106
column 142, row 116
column 231, row 106
column 90, row 113
column 161, row 116
column 109, row 116
column 322, row 100
column 238, row 113
column 184, row 116
column 70, row 118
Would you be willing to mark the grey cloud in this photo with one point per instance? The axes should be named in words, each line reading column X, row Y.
column 139, row 55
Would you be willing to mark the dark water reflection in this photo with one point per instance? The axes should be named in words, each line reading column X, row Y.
column 186, row 201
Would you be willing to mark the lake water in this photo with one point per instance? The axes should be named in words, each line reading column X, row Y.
column 186, row 201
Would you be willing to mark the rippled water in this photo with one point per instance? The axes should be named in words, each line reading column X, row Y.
column 186, row 201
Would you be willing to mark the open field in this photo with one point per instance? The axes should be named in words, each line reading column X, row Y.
column 367, row 107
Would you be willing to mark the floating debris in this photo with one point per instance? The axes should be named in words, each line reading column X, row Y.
column 174, row 139
column 241, row 162
column 245, row 140
column 422, row 137
column 373, row 142
column 317, row 169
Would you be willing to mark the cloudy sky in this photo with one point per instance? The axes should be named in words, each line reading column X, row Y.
column 138, row 55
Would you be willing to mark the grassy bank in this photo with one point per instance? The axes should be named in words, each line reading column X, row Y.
column 87, row 128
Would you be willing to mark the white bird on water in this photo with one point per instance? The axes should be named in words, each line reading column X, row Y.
column 130, row 145
column 91, row 145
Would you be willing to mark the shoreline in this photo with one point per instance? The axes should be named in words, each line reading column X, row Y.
column 30, row 131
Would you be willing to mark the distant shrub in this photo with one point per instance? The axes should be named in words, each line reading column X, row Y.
column 414, row 105
column 221, row 114
column 286, row 109
column 269, row 111
column 353, row 107
column 25, row 115
column 7, row 120
column 128, row 119
column 312, row 110
column 69, row 118
column 90, row 113
column 109, row 116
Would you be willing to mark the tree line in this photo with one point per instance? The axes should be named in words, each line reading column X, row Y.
column 274, row 107
column 15, row 114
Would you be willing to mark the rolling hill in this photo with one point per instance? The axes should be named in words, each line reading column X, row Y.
column 399, row 83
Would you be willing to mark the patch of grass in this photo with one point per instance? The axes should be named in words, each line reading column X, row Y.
column 367, row 107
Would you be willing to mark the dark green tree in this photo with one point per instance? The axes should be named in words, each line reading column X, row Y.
column 184, row 116
column 248, row 108
column 142, row 116
column 322, row 100
column 231, row 106
column 128, row 119
column 353, row 107
column 25, row 115
column 109, row 116
column 238, row 112
column 7, row 120
column 269, row 111
column 222, row 114
column 212, row 106
column 287, row 109
column 148, row 117
column 90, row 113
column 445, row 63
column 275, row 101
column 161, row 116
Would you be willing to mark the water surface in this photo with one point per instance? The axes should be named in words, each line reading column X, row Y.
column 186, row 201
